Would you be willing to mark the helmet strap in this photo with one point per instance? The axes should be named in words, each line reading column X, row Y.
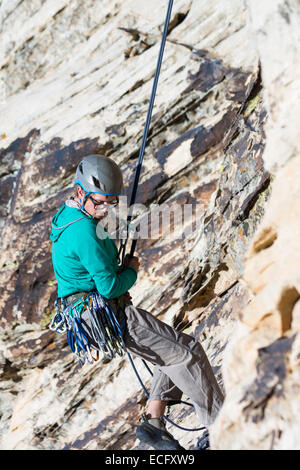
column 84, row 200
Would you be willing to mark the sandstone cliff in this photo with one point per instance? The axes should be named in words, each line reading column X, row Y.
column 75, row 78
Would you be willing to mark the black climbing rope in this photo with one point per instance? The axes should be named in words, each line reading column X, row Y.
column 147, row 395
column 145, row 134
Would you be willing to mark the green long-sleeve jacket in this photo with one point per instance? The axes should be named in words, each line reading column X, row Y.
column 82, row 261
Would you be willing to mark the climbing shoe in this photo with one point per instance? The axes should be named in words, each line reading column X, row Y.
column 203, row 441
column 152, row 431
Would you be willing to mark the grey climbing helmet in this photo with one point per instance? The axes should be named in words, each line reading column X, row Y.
column 99, row 174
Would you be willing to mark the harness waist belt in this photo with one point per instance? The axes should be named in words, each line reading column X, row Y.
column 70, row 299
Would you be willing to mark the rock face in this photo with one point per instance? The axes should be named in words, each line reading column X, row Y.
column 261, row 364
column 75, row 78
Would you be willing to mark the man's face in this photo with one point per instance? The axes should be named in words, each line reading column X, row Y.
column 94, row 204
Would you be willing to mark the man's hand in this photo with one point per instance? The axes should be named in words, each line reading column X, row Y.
column 134, row 262
column 127, row 296
column 126, row 261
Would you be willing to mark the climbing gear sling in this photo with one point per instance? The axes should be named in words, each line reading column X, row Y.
column 106, row 332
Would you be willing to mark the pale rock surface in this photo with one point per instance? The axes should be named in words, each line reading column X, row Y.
column 75, row 79
column 261, row 363
column 276, row 32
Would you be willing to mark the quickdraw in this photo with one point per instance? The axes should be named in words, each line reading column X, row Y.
column 106, row 331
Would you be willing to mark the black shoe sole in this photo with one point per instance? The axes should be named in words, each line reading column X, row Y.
column 156, row 438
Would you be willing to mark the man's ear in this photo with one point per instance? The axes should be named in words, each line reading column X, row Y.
column 80, row 192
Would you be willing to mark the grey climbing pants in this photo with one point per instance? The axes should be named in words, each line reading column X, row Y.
column 181, row 365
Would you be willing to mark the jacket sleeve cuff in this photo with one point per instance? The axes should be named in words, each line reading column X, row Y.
column 133, row 269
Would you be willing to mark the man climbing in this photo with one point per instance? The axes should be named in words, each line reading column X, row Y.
column 84, row 262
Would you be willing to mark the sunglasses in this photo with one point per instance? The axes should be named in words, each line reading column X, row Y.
column 103, row 203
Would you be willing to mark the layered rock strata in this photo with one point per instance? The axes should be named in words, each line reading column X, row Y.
column 77, row 80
